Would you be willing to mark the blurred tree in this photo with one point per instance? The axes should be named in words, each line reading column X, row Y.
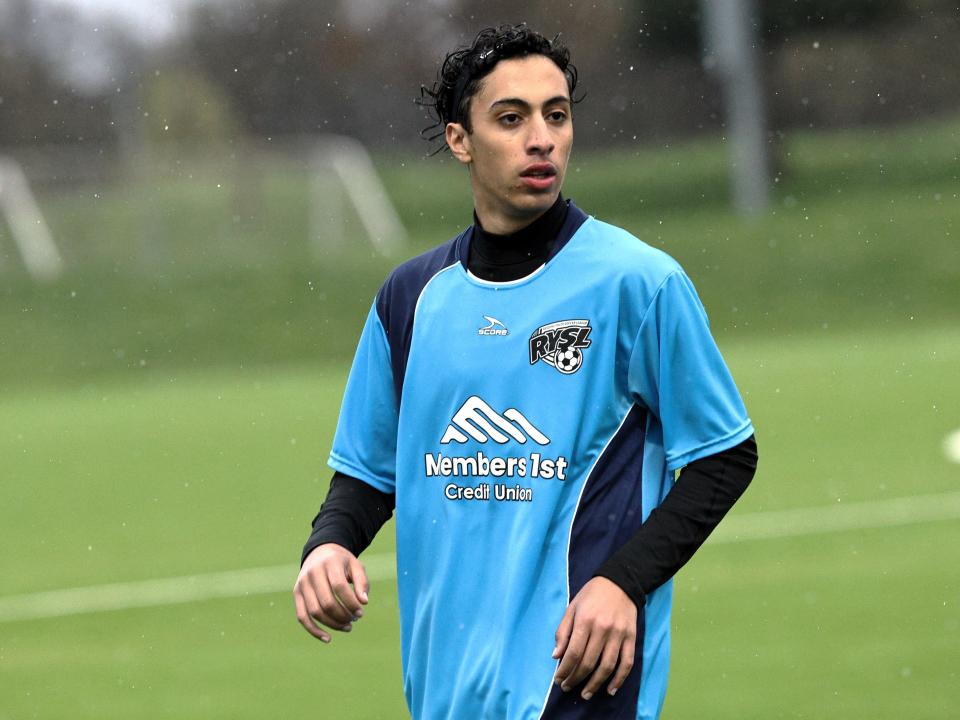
column 285, row 65
column 183, row 105
column 37, row 104
column 674, row 26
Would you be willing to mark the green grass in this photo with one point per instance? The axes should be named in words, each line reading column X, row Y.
column 125, row 480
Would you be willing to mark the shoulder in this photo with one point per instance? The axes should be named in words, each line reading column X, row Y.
column 398, row 296
column 616, row 253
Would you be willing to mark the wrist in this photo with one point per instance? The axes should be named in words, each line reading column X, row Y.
column 631, row 590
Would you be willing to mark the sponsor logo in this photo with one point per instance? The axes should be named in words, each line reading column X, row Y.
column 561, row 344
column 476, row 419
column 494, row 328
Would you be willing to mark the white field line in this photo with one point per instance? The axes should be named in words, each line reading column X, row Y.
column 838, row 518
column 169, row 591
column 276, row 579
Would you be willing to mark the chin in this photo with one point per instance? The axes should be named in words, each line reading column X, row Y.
column 536, row 203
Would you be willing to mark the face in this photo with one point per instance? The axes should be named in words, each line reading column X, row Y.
column 519, row 144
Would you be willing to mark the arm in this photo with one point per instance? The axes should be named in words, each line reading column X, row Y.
column 598, row 632
column 350, row 516
column 332, row 585
column 348, row 520
column 695, row 505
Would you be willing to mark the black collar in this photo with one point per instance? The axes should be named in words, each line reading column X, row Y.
column 501, row 258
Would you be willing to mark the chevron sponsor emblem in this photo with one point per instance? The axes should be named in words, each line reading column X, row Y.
column 476, row 419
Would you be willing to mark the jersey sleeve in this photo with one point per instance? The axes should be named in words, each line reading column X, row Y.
column 365, row 443
column 676, row 370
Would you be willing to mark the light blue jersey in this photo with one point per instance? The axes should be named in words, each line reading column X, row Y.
column 528, row 428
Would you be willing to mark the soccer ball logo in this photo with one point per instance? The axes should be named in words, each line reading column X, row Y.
column 561, row 344
column 568, row 360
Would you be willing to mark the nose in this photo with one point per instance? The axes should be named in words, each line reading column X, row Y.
column 539, row 140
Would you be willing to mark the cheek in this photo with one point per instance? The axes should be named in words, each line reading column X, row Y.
column 497, row 165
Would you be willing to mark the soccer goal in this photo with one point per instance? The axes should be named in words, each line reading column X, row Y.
column 29, row 229
column 342, row 171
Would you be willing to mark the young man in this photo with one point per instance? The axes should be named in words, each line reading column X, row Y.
column 523, row 395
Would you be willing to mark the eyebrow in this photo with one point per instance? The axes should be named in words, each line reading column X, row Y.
column 527, row 106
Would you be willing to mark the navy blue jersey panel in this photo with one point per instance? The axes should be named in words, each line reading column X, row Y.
column 397, row 301
column 609, row 513
column 622, row 706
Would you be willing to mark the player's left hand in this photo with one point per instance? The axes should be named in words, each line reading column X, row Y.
column 598, row 635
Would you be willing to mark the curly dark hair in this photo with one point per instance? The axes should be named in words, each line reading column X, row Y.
column 463, row 70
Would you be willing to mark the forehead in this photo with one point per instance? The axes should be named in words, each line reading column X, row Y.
column 534, row 78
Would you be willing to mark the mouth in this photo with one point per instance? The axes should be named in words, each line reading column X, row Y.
column 539, row 177
column 540, row 171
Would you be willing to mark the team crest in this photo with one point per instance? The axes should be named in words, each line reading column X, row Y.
column 561, row 344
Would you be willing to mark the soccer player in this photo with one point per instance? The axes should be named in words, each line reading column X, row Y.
column 522, row 396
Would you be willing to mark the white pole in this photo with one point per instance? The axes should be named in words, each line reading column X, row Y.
column 30, row 231
column 344, row 160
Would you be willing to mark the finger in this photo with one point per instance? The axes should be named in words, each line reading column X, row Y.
column 337, row 616
column 304, row 618
column 572, row 655
column 562, row 636
column 316, row 612
column 608, row 663
column 625, row 666
column 340, row 585
column 588, row 662
column 361, row 586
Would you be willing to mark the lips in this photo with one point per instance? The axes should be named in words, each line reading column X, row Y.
column 539, row 170
column 539, row 177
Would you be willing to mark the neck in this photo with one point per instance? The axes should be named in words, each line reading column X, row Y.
column 502, row 258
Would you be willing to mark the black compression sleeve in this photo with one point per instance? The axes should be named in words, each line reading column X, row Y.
column 704, row 492
column 350, row 516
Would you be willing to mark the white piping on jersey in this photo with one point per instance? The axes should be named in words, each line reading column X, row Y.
column 573, row 519
column 506, row 282
column 525, row 278
column 416, row 308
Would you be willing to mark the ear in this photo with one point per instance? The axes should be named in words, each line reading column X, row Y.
column 458, row 140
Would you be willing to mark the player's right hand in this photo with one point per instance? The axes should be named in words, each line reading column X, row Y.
column 331, row 590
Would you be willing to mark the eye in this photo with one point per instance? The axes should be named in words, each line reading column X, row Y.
column 509, row 119
column 557, row 116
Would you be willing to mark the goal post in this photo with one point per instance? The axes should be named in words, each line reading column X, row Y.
column 342, row 171
column 30, row 232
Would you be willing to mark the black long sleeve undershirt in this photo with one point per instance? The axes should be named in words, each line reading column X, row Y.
column 697, row 502
column 351, row 515
column 354, row 512
column 706, row 489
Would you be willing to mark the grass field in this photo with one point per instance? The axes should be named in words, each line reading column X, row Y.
column 168, row 415
column 219, row 470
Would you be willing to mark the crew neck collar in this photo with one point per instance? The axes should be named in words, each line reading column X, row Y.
column 526, row 244
column 553, row 240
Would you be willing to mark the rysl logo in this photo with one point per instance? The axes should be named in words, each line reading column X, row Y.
column 561, row 344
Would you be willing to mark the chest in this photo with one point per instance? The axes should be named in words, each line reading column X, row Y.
column 540, row 358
